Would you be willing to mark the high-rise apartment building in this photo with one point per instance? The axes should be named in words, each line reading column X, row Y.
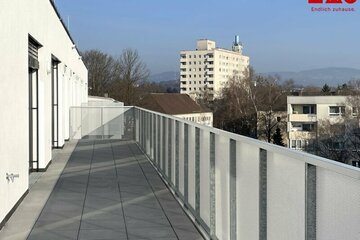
column 208, row 68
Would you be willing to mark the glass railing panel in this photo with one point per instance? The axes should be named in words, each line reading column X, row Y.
column 337, row 206
column 97, row 122
column 113, row 121
column 91, row 123
column 222, row 194
column 247, row 198
column 285, row 197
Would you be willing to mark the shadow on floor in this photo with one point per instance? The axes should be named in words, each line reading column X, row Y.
column 108, row 190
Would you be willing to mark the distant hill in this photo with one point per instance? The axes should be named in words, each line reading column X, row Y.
column 165, row 76
column 172, row 86
column 314, row 77
column 318, row 77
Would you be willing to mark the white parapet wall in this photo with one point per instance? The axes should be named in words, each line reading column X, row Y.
column 102, row 101
column 38, row 20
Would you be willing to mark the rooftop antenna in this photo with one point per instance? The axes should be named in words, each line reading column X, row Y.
column 237, row 45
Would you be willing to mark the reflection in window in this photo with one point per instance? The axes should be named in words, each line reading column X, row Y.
column 336, row 110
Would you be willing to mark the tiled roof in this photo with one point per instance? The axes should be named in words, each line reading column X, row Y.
column 171, row 103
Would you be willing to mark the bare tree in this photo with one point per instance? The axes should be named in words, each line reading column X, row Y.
column 248, row 101
column 234, row 109
column 353, row 95
column 102, row 70
column 338, row 138
column 132, row 73
column 352, row 120
column 269, row 95
column 331, row 140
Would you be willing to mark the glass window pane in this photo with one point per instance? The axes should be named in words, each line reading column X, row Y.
column 306, row 109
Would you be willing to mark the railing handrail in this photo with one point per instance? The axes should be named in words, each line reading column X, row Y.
column 325, row 163
column 76, row 107
column 232, row 185
column 341, row 168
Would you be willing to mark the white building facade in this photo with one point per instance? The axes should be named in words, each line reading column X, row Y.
column 205, row 118
column 304, row 114
column 102, row 101
column 42, row 75
column 208, row 68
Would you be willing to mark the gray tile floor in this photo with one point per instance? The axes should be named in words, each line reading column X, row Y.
column 33, row 178
column 108, row 190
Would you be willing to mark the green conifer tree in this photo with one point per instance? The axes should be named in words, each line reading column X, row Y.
column 277, row 137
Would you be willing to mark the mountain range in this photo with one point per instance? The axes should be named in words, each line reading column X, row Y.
column 165, row 76
column 332, row 76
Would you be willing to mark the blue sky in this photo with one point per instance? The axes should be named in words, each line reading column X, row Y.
column 278, row 35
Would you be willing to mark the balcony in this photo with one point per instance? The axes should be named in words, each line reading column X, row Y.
column 240, row 188
column 302, row 117
column 302, row 135
column 209, row 57
column 209, row 73
column 230, row 186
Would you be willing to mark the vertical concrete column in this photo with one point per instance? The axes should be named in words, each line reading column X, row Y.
column 186, row 163
column 232, row 170
column 212, row 187
column 197, row 171
column 263, row 195
column 177, row 154
column 182, row 151
column 310, row 202
column 204, row 178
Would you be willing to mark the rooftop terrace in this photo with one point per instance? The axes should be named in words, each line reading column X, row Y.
column 138, row 174
column 108, row 190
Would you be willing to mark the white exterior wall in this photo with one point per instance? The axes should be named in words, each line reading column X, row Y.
column 18, row 20
column 205, row 118
column 322, row 104
column 102, row 101
column 219, row 68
